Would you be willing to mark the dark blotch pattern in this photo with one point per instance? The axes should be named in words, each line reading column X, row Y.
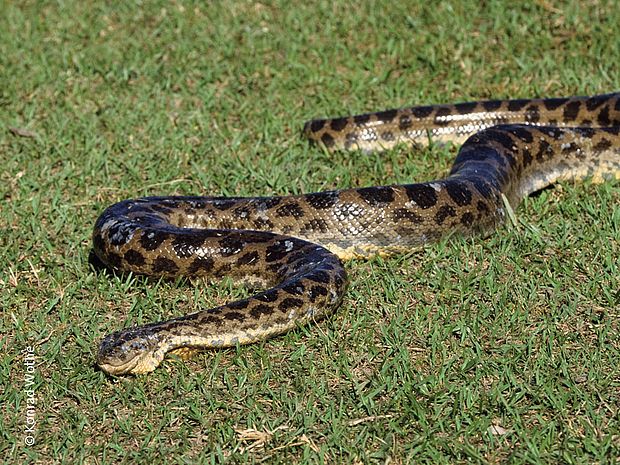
column 423, row 195
column 135, row 258
column 387, row 116
column 459, row 193
column 248, row 258
column 571, row 110
column 260, row 310
column 289, row 303
column 290, row 209
column 276, row 252
column 408, row 215
column 554, row 103
column 327, row 140
column 231, row 244
column 491, row 105
column 339, row 124
column 376, row 195
column 317, row 125
column 361, row 119
column 201, row 265
column 322, row 200
column 164, row 265
column 517, row 105
column 465, row 108
column 422, row 112
column 315, row 225
column 467, row 219
column 405, row 122
column 445, row 211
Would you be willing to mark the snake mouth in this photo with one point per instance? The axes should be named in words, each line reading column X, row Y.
column 114, row 365
column 111, row 369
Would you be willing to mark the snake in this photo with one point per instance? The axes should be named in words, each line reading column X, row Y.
column 294, row 247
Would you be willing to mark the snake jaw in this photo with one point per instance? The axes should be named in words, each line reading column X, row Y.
column 130, row 352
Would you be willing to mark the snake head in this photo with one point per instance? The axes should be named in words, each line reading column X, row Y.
column 130, row 351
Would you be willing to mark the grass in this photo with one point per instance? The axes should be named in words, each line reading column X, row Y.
column 502, row 350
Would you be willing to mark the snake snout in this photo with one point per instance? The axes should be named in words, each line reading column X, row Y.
column 132, row 351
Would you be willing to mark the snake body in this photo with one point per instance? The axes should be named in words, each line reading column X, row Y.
column 293, row 245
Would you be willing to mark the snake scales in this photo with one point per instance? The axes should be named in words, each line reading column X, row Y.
column 293, row 245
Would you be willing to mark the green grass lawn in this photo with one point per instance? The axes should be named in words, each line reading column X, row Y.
column 498, row 350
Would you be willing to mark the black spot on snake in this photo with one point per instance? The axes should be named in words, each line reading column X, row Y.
column 248, row 258
column 458, row 192
column 200, row 265
column 316, row 291
column 186, row 245
column 441, row 116
column 405, row 214
column 482, row 207
column 491, row 105
column 315, row 225
column 532, row 114
column 277, row 251
column 387, row 116
column 523, row 134
column 361, row 119
column 339, row 124
column 231, row 244
column 376, row 195
column 322, row 200
column 290, row 302
column 602, row 145
column 467, row 219
column 405, row 122
column 464, row 108
column 260, row 310
column 421, row 112
column 594, row 102
column 554, row 103
column 423, row 195
column 233, row 316
column 544, row 151
column 317, row 125
column 290, row 209
column 327, row 140
column 266, row 203
column 603, row 117
column 263, row 224
column 571, row 110
column 445, row 211
column 164, row 265
column 242, row 212
column 295, row 289
column 133, row 257
column 517, row 104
